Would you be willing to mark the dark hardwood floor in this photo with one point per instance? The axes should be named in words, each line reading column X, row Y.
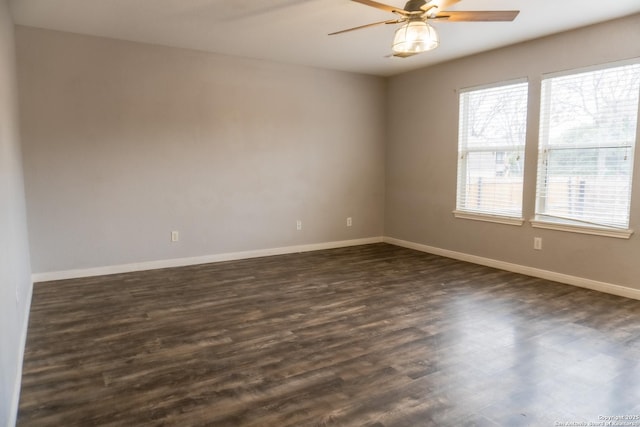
column 373, row 335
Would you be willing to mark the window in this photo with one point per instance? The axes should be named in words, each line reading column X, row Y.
column 491, row 141
column 587, row 138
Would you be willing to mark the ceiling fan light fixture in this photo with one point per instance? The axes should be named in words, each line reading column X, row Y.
column 415, row 37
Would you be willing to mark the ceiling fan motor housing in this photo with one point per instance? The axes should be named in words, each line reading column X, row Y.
column 414, row 5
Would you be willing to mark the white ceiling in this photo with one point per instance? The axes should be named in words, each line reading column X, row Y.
column 295, row 31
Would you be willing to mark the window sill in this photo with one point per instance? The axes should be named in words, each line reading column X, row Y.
column 568, row 226
column 489, row 218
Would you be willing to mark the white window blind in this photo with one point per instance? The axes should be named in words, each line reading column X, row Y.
column 491, row 141
column 587, row 138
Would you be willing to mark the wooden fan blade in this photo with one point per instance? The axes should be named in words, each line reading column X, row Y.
column 392, row 21
column 478, row 16
column 382, row 6
column 403, row 55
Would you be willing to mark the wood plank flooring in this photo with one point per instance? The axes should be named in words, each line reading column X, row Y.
column 373, row 335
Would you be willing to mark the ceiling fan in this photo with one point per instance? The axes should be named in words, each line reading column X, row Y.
column 416, row 35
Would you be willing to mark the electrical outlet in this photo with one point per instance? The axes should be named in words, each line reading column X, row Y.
column 537, row 243
column 349, row 222
column 299, row 225
column 175, row 236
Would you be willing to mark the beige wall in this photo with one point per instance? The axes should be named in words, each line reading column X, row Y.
column 15, row 274
column 125, row 142
column 422, row 157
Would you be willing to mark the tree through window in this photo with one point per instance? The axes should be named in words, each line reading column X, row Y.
column 491, row 141
column 587, row 140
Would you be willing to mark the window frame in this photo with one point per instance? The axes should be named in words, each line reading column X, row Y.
column 544, row 220
column 461, row 169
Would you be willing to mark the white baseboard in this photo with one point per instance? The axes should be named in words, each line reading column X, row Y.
column 15, row 399
column 206, row 259
column 595, row 285
column 231, row 256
